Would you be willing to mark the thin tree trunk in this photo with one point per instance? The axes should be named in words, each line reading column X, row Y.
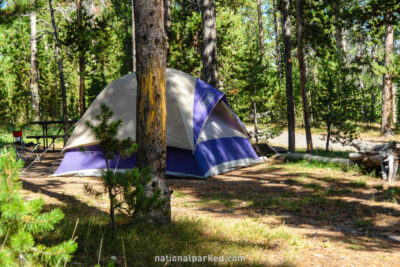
column 151, row 101
column 34, row 85
column 133, row 38
column 386, row 127
column 328, row 137
column 302, row 69
column 261, row 39
column 209, row 71
column 112, row 212
column 167, row 20
column 338, row 32
column 61, row 72
column 277, row 41
column 260, row 28
column 394, row 105
column 82, row 60
column 288, row 73
column 373, row 98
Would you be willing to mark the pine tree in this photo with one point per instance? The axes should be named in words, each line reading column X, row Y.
column 21, row 220
column 125, row 190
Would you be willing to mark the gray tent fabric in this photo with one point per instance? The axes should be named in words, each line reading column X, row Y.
column 204, row 136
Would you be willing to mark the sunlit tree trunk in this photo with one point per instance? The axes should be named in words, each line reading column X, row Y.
column 209, row 72
column 60, row 71
column 82, row 60
column 302, row 69
column 288, row 74
column 151, row 44
column 34, row 83
column 386, row 126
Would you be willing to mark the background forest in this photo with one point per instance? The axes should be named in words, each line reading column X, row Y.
column 343, row 45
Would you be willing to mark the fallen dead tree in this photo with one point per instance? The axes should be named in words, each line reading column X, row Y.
column 383, row 158
column 309, row 157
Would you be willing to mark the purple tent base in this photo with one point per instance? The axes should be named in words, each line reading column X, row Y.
column 180, row 162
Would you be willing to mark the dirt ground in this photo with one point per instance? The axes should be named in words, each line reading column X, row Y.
column 341, row 221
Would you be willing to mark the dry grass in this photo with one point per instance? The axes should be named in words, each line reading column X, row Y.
column 293, row 214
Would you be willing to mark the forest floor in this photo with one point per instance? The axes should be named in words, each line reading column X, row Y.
column 274, row 214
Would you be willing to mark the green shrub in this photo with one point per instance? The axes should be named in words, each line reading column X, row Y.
column 21, row 220
column 125, row 189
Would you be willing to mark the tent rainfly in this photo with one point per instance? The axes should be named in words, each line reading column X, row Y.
column 204, row 135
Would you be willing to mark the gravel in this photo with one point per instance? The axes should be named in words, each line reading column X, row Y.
column 319, row 142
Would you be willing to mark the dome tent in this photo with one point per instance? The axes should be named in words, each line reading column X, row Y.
column 204, row 136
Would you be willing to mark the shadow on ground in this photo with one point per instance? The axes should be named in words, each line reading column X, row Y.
column 367, row 216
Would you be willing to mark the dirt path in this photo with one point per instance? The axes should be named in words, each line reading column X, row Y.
column 341, row 218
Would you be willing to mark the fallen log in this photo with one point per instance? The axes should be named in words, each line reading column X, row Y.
column 309, row 157
column 383, row 158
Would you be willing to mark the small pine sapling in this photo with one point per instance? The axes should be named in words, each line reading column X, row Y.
column 125, row 189
column 20, row 220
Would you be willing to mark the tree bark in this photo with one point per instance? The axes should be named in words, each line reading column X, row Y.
column 394, row 105
column 34, row 85
column 209, row 72
column 328, row 136
column 386, row 127
column 167, row 16
column 302, row 69
column 339, row 34
column 82, row 60
column 167, row 21
column 277, row 41
column 60, row 71
column 260, row 27
column 261, row 39
column 151, row 101
column 288, row 74
column 133, row 38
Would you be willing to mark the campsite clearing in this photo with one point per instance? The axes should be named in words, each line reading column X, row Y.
column 273, row 214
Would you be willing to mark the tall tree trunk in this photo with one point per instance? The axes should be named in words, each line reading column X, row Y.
column 387, row 83
column 394, row 105
column 60, row 71
column 373, row 97
column 209, row 72
column 302, row 69
column 34, row 85
column 340, row 42
column 288, row 74
column 167, row 21
column 151, row 101
column 133, row 38
column 261, row 39
column 277, row 41
column 82, row 60
column 328, row 136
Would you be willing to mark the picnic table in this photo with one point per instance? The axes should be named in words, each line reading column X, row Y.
column 45, row 136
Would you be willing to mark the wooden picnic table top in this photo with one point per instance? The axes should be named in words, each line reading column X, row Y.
column 51, row 122
column 48, row 136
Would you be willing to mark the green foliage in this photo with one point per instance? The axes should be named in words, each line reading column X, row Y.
column 126, row 190
column 21, row 220
column 343, row 93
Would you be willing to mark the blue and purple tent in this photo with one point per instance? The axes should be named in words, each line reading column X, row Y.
column 204, row 136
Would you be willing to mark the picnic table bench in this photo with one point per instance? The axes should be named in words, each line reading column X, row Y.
column 53, row 137
column 45, row 136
